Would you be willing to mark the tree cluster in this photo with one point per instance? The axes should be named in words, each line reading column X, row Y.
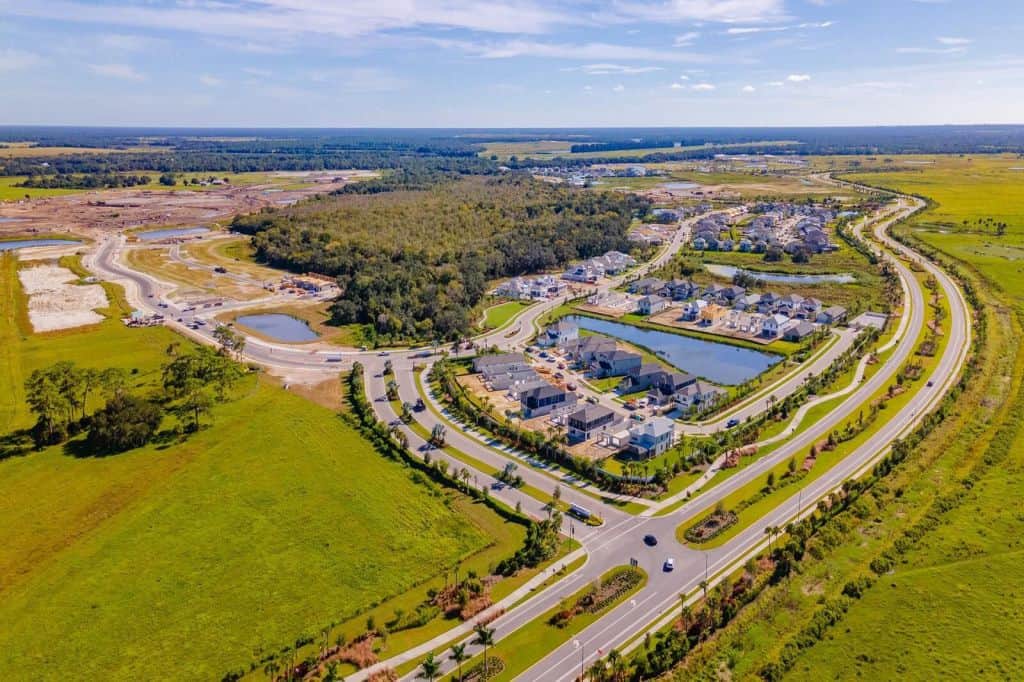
column 85, row 181
column 59, row 397
column 413, row 263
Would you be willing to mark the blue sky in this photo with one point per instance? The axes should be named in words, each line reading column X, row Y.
column 489, row 63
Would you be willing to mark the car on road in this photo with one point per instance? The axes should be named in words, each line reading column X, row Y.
column 930, row 383
column 732, row 422
column 592, row 400
column 669, row 565
column 650, row 540
column 383, row 354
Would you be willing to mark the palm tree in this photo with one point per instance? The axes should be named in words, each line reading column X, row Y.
column 485, row 638
column 459, row 655
column 598, row 672
column 429, row 668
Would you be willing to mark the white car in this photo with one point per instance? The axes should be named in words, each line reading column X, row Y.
column 670, row 565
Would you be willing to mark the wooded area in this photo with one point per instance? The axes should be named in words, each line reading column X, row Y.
column 414, row 263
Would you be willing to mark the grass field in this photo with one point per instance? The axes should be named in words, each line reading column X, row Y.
column 185, row 561
column 951, row 606
column 497, row 316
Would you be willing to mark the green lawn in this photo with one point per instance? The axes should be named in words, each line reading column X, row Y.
column 497, row 316
column 187, row 561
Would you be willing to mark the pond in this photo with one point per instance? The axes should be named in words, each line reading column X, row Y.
column 717, row 362
column 729, row 271
column 171, row 232
column 28, row 243
column 680, row 185
column 279, row 327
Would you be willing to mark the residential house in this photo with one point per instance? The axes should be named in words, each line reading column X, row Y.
column 651, row 305
column 545, row 399
column 641, row 378
column 699, row 395
column 712, row 313
column 560, row 334
column 589, row 421
column 768, row 304
column 731, row 293
column 679, row 290
column 692, row 309
column 587, row 348
column 516, row 288
column 799, row 331
column 646, row 286
column 652, row 437
column 499, row 363
column 772, row 325
column 790, row 304
column 832, row 315
column 615, row 363
column 667, row 385
column 583, row 272
column 809, row 309
column 749, row 302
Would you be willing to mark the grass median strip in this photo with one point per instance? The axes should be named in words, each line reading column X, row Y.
column 529, row 644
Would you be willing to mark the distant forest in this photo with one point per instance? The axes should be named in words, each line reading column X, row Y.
column 415, row 263
column 185, row 150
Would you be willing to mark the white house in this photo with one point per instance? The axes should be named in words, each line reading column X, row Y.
column 651, row 305
column 560, row 334
column 771, row 325
column 692, row 309
column 652, row 437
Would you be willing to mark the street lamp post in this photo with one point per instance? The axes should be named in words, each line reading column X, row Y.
column 579, row 645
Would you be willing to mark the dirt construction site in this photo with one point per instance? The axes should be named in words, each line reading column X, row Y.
column 89, row 212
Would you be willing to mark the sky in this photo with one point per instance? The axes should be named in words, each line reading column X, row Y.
column 511, row 63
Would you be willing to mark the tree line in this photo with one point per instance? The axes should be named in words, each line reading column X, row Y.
column 83, row 181
column 59, row 397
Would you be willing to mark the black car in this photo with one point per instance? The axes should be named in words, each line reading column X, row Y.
column 650, row 540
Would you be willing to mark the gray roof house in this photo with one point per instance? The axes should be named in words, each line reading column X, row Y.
column 588, row 421
column 615, row 363
column 652, row 304
column 832, row 315
column 544, row 399
column 799, row 331
column 498, row 363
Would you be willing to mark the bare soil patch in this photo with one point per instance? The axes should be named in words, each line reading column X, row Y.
column 56, row 301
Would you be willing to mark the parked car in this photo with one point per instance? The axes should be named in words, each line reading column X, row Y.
column 650, row 540
column 669, row 565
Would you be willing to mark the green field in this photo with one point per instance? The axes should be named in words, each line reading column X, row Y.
column 186, row 560
column 497, row 316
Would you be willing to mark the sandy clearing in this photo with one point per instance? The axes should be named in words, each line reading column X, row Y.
column 56, row 302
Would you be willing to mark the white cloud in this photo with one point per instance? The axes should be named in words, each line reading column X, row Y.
column 123, row 71
column 677, row 86
column 210, row 81
column 686, row 39
column 16, row 60
column 744, row 30
column 619, row 88
column 947, row 40
column 324, row 17
column 749, row 88
column 775, row 84
column 595, row 51
column 728, row 11
column 930, row 50
column 798, row 78
column 605, row 69
column 684, row 77
column 704, row 87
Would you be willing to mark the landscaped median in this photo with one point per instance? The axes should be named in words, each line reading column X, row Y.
column 529, row 644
